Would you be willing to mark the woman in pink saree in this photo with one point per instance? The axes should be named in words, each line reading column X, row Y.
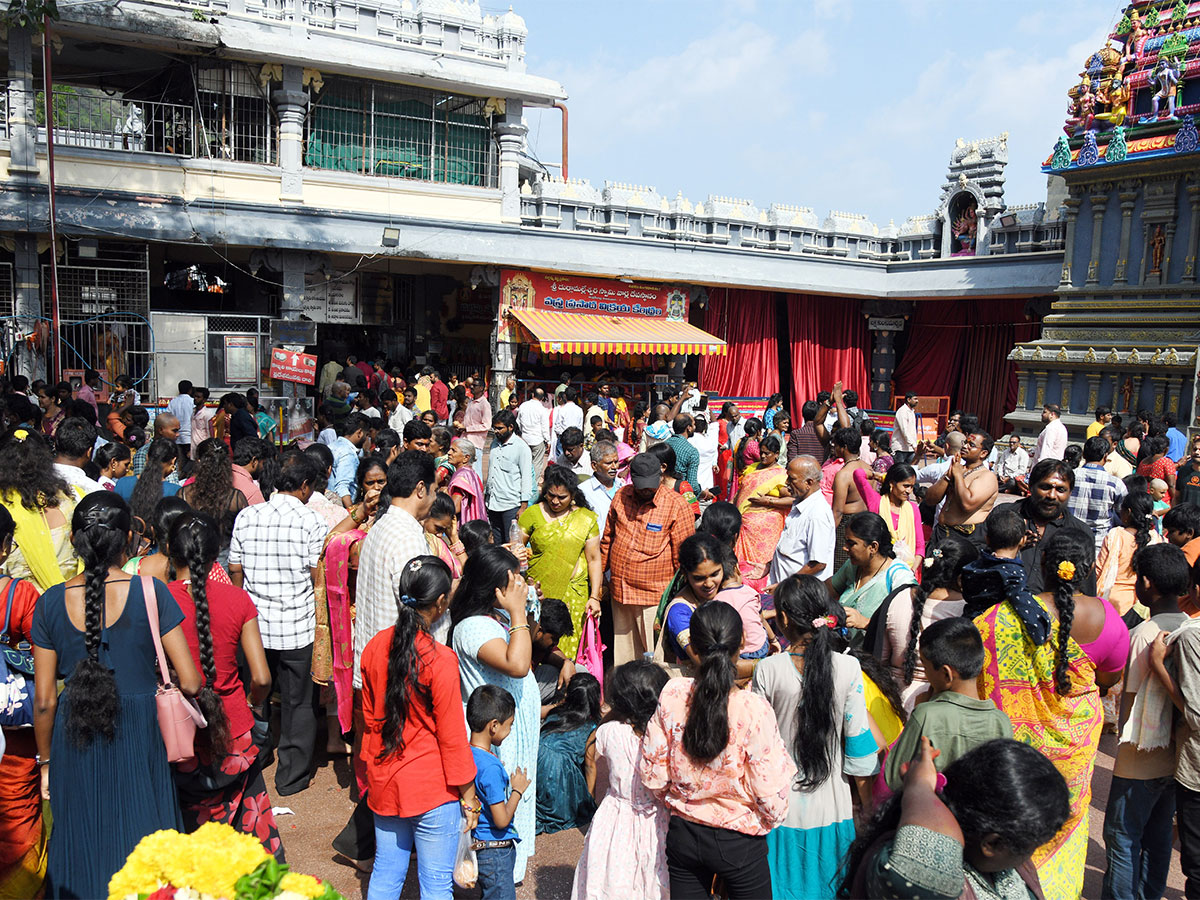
column 763, row 500
column 465, row 486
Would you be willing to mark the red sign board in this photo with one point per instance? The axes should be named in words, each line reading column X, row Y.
column 592, row 296
column 298, row 367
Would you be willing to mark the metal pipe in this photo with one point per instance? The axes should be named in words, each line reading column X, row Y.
column 563, row 107
column 48, row 89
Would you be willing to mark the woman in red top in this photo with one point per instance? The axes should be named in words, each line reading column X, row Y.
column 22, row 840
column 224, row 783
column 419, row 765
column 1155, row 463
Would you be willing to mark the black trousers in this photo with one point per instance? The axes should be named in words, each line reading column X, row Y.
column 698, row 853
column 942, row 533
column 1187, row 820
column 501, row 522
column 903, row 456
column 291, row 673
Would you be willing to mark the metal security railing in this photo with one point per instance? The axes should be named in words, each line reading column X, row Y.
column 86, row 117
column 390, row 130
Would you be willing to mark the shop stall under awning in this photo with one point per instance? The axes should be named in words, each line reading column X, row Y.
column 565, row 332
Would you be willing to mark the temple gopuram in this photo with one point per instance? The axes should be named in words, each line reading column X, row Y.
column 1124, row 324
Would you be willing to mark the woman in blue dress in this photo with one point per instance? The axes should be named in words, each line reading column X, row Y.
column 111, row 784
column 489, row 630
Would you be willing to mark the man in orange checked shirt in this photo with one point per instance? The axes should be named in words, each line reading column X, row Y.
column 640, row 550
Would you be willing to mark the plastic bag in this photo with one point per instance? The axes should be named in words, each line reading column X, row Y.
column 590, row 654
column 466, row 865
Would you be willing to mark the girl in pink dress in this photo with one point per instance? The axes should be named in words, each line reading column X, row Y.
column 625, row 851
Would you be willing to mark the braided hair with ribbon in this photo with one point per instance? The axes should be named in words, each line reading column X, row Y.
column 424, row 586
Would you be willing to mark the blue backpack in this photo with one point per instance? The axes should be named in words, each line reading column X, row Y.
column 16, row 674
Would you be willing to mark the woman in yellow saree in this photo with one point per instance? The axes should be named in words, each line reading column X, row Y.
column 563, row 537
column 1048, row 684
column 763, row 500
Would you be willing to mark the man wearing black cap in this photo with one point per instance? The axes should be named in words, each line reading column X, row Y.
column 640, row 548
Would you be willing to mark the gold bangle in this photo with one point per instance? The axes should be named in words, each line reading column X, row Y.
column 353, row 517
column 517, row 628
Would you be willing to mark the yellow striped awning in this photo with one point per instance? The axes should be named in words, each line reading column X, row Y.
column 564, row 332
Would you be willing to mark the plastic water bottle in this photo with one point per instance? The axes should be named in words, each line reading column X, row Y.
column 514, row 538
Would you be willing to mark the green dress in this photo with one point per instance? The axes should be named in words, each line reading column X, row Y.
column 558, row 562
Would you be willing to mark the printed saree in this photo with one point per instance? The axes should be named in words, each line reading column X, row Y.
column 1019, row 676
column 761, row 526
column 558, row 562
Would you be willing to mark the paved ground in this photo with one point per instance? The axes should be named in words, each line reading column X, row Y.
column 322, row 810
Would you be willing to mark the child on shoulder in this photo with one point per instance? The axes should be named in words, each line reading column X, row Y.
column 624, row 854
column 955, row 720
column 1140, row 813
column 998, row 576
column 490, row 714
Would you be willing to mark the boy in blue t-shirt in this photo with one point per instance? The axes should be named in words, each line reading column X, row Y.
column 490, row 713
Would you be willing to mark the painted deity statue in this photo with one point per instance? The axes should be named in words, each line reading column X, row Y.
column 1138, row 33
column 1116, row 97
column 1165, row 77
column 1082, row 111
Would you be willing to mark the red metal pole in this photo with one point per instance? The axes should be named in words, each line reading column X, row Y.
column 48, row 89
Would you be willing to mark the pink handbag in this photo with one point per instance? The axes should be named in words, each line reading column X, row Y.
column 590, row 654
column 178, row 717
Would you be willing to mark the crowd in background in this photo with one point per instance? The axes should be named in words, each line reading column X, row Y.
column 786, row 655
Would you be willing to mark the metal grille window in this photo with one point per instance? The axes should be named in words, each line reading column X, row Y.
column 103, row 312
column 236, row 120
column 398, row 131
column 7, row 294
column 4, row 89
column 89, row 117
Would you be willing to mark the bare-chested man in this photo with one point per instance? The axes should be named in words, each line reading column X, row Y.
column 970, row 489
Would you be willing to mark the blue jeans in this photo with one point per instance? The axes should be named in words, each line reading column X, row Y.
column 1137, row 837
column 496, row 873
column 435, row 835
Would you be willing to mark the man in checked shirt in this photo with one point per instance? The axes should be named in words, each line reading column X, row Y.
column 274, row 554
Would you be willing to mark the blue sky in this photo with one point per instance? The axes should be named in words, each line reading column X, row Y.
column 852, row 105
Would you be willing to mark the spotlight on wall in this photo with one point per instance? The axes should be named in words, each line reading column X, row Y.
column 88, row 248
column 391, row 237
column 1008, row 221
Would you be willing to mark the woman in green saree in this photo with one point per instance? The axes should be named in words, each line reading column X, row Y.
column 563, row 537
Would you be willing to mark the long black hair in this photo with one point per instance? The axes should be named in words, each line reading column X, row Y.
column 167, row 512
column 1140, row 507
column 942, row 570
column 100, row 529
column 580, row 705
column 149, row 488
column 1003, row 787
column 870, row 528
column 485, row 571
column 1078, row 548
column 804, row 600
column 424, row 581
column 194, row 541
column 562, row 477
column 716, row 636
column 722, row 520
column 753, row 428
column 475, row 534
column 632, row 690
column 27, row 469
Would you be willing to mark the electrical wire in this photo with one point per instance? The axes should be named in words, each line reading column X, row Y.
column 62, row 340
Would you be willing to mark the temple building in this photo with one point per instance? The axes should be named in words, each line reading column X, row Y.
column 1124, row 325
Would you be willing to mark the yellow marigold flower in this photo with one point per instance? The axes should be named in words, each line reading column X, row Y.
column 304, row 885
column 1066, row 571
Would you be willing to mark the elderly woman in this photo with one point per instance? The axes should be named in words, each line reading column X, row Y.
column 465, row 487
column 563, row 536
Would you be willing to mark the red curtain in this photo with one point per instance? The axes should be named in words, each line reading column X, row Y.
column 959, row 349
column 745, row 320
column 829, row 342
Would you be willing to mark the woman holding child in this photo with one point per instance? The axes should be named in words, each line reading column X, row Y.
column 1045, row 659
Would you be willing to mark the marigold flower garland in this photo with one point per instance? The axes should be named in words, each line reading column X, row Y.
column 213, row 863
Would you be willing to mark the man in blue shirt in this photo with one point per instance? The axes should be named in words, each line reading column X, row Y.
column 1096, row 497
column 352, row 431
column 1176, row 440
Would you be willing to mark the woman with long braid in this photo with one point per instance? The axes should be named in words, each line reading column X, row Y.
column 224, row 783
column 1051, row 690
column 112, row 783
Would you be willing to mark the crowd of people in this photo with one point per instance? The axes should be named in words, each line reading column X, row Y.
column 756, row 656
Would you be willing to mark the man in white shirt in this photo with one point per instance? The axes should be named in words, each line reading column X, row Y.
column 705, row 441
column 405, row 412
column 1052, row 442
column 533, row 424
column 1012, row 465
column 604, row 483
column 73, row 445
column 904, row 436
column 183, row 407
column 567, row 415
column 807, row 543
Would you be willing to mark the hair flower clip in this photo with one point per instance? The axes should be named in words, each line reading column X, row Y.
column 414, row 566
column 932, row 557
column 1066, row 571
column 825, row 622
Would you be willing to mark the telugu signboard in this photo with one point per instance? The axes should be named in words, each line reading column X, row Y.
column 592, row 296
column 333, row 301
column 881, row 323
column 298, row 367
